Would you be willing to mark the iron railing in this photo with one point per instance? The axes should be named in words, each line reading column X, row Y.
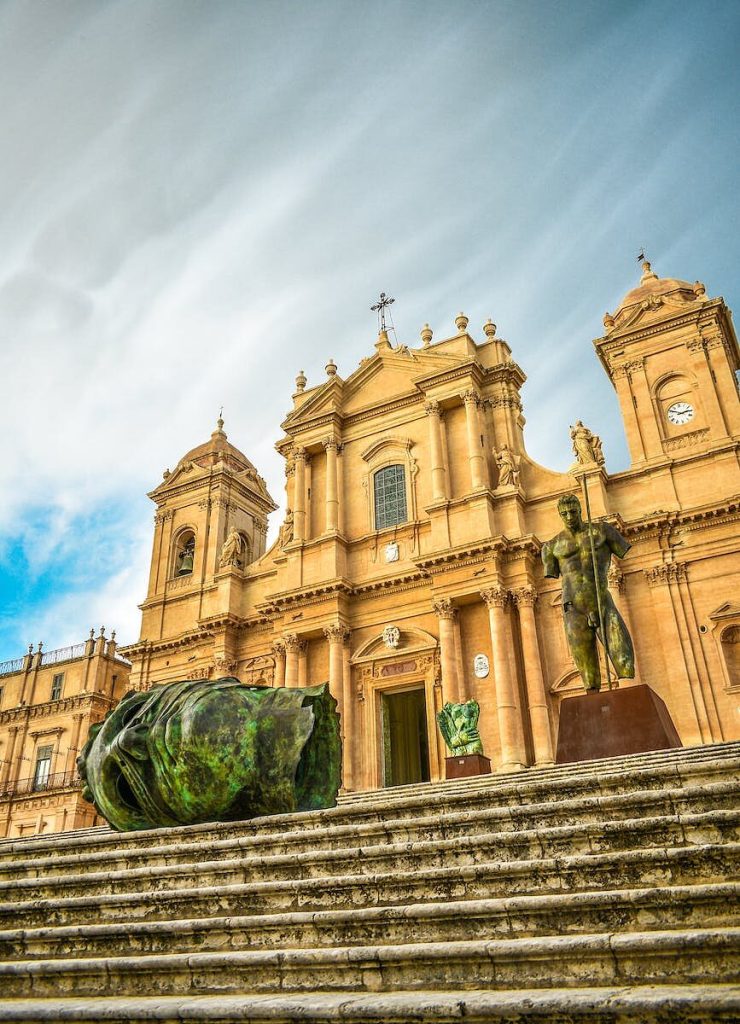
column 7, row 668
column 62, row 654
column 59, row 780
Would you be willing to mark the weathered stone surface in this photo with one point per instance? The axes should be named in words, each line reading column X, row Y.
column 606, row 894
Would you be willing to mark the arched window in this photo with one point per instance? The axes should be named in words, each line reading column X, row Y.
column 184, row 553
column 390, row 497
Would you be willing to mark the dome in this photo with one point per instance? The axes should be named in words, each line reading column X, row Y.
column 651, row 292
column 218, row 449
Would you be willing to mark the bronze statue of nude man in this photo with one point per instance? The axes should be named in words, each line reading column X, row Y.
column 569, row 555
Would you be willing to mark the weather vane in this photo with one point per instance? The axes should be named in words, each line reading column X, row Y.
column 641, row 255
column 380, row 308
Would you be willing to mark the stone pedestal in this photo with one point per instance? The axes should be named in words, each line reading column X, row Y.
column 466, row 766
column 614, row 722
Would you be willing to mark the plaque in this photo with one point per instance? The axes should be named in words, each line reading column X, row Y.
column 481, row 668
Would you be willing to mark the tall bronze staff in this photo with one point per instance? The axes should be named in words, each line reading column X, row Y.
column 602, row 625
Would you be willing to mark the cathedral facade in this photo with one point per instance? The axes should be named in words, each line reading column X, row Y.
column 407, row 571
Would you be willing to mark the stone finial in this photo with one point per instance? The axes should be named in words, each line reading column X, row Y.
column 30, row 648
column 331, row 368
column 426, row 335
column 700, row 291
column 41, row 646
column 489, row 328
column 102, row 631
column 113, row 635
column 219, row 431
column 92, row 632
column 301, row 381
column 608, row 321
column 166, row 475
column 461, row 322
column 383, row 343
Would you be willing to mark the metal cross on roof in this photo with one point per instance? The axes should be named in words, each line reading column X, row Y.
column 380, row 308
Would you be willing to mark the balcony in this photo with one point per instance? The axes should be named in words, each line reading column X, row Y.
column 30, row 785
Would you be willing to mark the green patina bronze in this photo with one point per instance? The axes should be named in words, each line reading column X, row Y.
column 458, row 724
column 571, row 556
column 196, row 751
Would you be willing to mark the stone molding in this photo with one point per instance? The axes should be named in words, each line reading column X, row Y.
column 686, row 440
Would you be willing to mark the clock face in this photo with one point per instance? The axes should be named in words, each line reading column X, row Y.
column 680, row 413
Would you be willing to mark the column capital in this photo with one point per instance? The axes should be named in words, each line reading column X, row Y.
column 432, row 407
column 525, row 596
column 470, row 397
column 331, row 443
column 615, row 578
column 278, row 648
column 294, row 643
column 496, row 596
column 444, row 608
column 336, row 633
column 300, row 454
column 670, row 572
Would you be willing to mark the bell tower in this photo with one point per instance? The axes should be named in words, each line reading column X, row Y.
column 672, row 355
column 210, row 524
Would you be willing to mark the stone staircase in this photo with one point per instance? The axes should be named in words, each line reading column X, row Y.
column 599, row 892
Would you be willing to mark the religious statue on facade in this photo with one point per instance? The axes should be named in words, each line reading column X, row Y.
column 212, row 750
column 508, row 467
column 286, row 529
column 587, row 602
column 458, row 724
column 231, row 552
column 586, row 446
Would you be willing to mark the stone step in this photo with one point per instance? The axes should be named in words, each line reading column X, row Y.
column 716, row 763
column 698, row 906
column 592, row 837
column 687, row 957
column 458, row 823
column 642, row 1004
column 687, row 865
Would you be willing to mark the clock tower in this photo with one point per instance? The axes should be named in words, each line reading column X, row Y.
column 672, row 354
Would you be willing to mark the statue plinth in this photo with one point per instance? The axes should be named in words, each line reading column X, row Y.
column 611, row 723
column 466, row 766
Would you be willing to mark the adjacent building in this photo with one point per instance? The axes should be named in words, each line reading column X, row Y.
column 48, row 700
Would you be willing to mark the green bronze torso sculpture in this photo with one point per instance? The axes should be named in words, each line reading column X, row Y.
column 458, row 724
column 196, row 751
column 569, row 555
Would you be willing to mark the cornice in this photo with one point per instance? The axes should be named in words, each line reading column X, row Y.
column 66, row 705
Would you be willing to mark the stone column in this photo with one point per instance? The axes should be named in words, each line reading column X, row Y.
column 475, row 449
column 290, row 486
column 439, row 475
column 701, row 367
column 10, row 751
column 631, row 423
column 651, row 439
column 74, row 744
column 539, row 715
column 332, row 499
column 446, row 614
column 336, row 635
column 293, row 647
column 507, row 703
column 719, row 358
column 350, row 741
column 299, row 495
column 278, row 649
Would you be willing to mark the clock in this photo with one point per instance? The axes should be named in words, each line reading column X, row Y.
column 680, row 413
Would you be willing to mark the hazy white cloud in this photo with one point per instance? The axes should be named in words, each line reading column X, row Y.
column 198, row 200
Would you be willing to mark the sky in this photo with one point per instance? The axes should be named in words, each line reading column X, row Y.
column 200, row 199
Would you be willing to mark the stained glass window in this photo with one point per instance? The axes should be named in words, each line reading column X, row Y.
column 390, row 497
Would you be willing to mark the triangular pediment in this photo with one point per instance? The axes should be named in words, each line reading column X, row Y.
column 727, row 610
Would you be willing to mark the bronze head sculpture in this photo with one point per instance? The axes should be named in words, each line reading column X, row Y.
column 196, row 751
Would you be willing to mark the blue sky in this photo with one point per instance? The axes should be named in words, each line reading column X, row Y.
column 197, row 200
